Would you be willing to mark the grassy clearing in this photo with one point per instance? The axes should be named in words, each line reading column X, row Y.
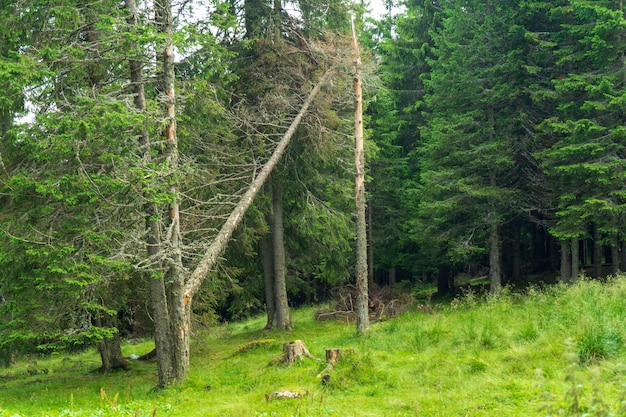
column 550, row 353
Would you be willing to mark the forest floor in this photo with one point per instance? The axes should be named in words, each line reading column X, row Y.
column 559, row 351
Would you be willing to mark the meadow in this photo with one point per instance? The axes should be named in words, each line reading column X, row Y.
column 557, row 351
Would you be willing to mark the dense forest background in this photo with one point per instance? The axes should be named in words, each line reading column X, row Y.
column 495, row 147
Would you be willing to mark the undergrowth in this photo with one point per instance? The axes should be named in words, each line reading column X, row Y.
column 558, row 351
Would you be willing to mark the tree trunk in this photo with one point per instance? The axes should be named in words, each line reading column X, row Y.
column 283, row 314
column 443, row 279
column 175, row 306
column 575, row 259
column 495, row 258
column 597, row 252
column 110, row 350
column 268, row 279
column 393, row 276
column 566, row 272
column 517, row 252
column 158, row 297
column 362, row 299
column 370, row 253
column 615, row 256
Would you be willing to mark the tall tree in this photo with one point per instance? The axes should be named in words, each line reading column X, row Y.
column 476, row 92
column 362, row 298
column 584, row 158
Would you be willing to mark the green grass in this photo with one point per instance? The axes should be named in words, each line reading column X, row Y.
column 556, row 352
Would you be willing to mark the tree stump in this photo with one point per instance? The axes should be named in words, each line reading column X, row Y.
column 332, row 356
column 293, row 351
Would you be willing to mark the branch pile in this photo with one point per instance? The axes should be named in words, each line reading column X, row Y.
column 384, row 303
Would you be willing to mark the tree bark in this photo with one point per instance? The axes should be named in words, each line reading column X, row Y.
column 176, row 308
column 158, row 297
column 517, row 252
column 597, row 252
column 393, row 272
column 268, row 278
column 615, row 269
column 566, row 271
column 495, row 259
column 362, row 298
column 370, row 253
column 283, row 314
column 110, row 350
column 443, row 279
column 575, row 259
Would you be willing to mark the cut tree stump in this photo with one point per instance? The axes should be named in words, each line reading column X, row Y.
column 332, row 356
column 293, row 351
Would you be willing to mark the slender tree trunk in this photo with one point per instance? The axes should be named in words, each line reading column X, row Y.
column 392, row 276
column 622, row 255
column 268, row 277
column 158, row 297
column 517, row 252
column 566, row 271
column 615, row 269
column 362, row 301
column 283, row 314
column 597, row 252
column 370, row 252
column 495, row 259
column 443, row 280
column 177, row 307
column 575, row 259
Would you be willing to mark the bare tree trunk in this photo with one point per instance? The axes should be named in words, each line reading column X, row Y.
column 110, row 348
column 362, row 299
column 597, row 252
column 393, row 276
column 615, row 268
column 177, row 307
column 268, row 279
column 566, row 271
column 575, row 259
column 158, row 298
column 283, row 314
column 495, row 258
column 370, row 252
column 443, row 280
column 517, row 252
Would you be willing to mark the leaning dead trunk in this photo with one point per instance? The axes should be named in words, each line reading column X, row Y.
column 219, row 243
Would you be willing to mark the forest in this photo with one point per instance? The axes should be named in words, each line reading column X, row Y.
column 169, row 165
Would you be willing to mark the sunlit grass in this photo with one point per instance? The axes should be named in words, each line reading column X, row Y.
column 554, row 352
